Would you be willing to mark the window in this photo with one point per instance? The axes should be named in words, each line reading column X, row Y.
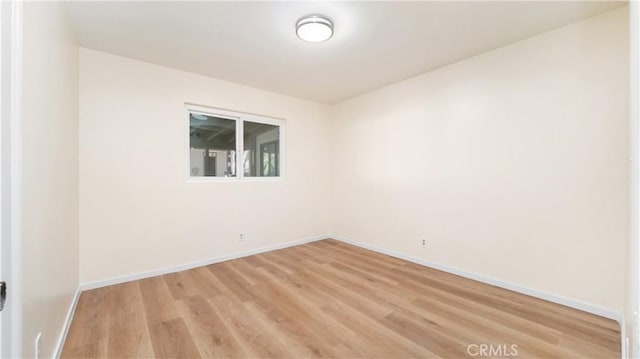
column 261, row 149
column 217, row 136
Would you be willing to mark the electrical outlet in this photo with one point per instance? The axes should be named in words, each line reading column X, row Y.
column 241, row 237
column 423, row 242
column 37, row 346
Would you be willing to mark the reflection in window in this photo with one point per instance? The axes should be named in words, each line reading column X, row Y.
column 213, row 146
column 261, row 150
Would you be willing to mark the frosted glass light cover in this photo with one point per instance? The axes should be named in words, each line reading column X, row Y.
column 314, row 28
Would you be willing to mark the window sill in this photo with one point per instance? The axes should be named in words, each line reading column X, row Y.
column 233, row 179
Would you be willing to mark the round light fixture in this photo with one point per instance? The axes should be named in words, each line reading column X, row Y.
column 314, row 28
column 199, row 117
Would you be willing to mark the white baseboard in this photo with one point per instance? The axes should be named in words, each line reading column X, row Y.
column 181, row 267
column 586, row 307
column 66, row 325
column 161, row 271
column 496, row 282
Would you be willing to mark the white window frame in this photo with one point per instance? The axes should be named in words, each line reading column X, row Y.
column 239, row 117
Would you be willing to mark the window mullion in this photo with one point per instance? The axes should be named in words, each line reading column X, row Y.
column 239, row 148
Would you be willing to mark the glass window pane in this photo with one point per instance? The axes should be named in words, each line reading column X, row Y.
column 261, row 150
column 213, row 146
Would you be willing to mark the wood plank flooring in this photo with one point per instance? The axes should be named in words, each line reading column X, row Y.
column 327, row 299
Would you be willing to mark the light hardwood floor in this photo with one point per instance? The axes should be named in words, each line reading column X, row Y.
column 327, row 299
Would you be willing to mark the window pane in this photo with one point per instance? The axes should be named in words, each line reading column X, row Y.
column 261, row 150
column 213, row 146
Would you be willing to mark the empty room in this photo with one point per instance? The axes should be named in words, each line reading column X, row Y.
column 278, row 179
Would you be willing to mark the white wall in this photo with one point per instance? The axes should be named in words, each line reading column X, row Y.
column 138, row 213
column 513, row 163
column 633, row 275
column 50, row 173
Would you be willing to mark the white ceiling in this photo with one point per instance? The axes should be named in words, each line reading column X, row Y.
column 375, row 43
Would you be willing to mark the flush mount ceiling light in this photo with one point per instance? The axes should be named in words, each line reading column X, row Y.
column 314, row 28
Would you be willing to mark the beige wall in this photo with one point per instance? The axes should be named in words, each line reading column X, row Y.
column 50, row 173
column 513, row 164
column 138, row 213
column 632, row 297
